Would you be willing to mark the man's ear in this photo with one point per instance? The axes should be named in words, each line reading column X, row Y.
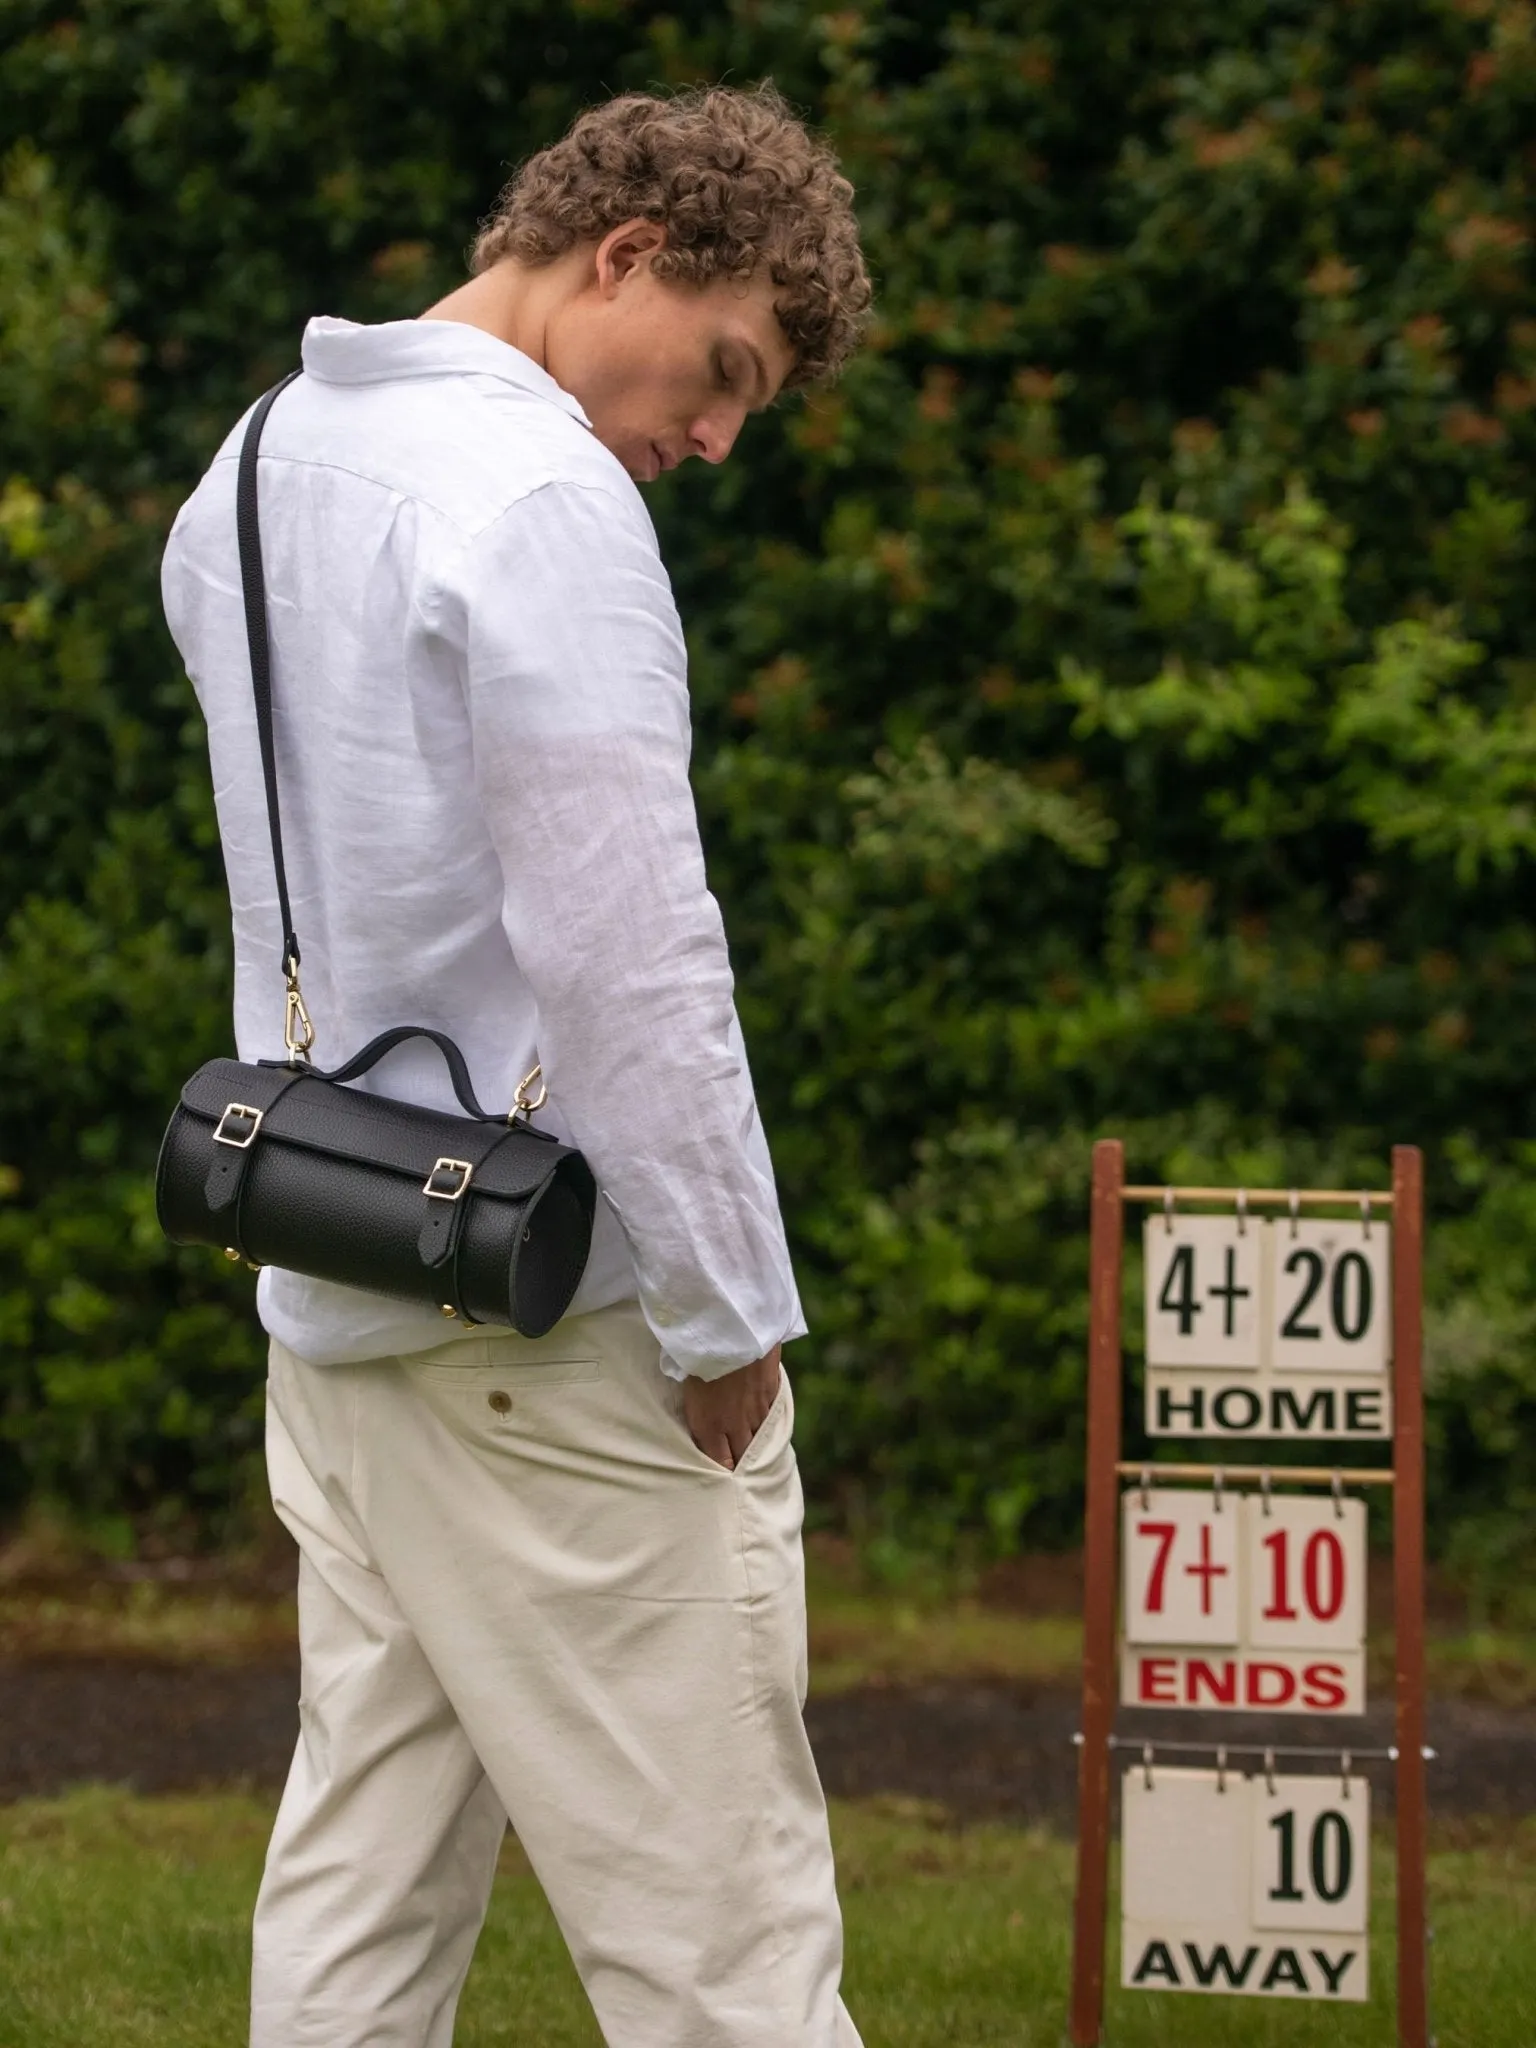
column 626, row 249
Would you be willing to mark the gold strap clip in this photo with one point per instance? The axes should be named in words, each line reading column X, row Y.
column 524, row 1104
column 298, row 1032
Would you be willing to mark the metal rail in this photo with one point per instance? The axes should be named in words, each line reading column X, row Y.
column 1275, row 1475
column 1133, row 1743
column 1232, row 1198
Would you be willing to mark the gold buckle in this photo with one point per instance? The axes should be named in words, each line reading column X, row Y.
column 246, row 1115
column 461, row 1167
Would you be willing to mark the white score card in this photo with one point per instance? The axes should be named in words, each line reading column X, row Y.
column 1257, row 1328
column 1250, row 1602
column 1246, row 1885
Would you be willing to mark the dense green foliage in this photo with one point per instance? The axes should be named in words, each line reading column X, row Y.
column 1116, row 702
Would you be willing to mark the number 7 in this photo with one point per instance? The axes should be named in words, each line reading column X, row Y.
column 1164, row 1532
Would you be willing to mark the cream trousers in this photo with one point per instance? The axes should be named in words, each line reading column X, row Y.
column 524, row 1592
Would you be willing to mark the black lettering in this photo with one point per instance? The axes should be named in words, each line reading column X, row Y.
column 1156, row 1962
column 1229, row 1292
column 1193, row 1406
column 1221, row 1408
column 1220, row 1963
column 1284, row 1825
column 1331, row 1873
column 1334, row 1972
column 1311, row 1262
column 1180, row 1301
column 1285, row 1404
column 1284, row 1968
column 1352, row 1324
column 1362, row 1411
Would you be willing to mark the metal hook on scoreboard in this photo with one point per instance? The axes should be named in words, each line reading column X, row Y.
column 1269, row 1771
column 1295, row 1206
column 1146, row 1765
column 1218, row 1480
column 1338, row 1496
column 1264, row 1490
column 1365, row 1216
column 1146, row 1481
column 1242, row 1212
column 1344, row 1763
column 1168, row 1210
column 1221, row 1767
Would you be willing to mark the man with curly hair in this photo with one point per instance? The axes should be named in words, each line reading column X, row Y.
column 557, row 1580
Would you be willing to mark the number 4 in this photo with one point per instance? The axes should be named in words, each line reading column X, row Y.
column 1182, row 1304
column 1178, row 1295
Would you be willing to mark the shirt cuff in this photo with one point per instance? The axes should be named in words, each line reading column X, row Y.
column 717, row 1368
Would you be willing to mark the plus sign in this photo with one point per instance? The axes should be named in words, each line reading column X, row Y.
column 1229, row 1291
column 1205, row 1571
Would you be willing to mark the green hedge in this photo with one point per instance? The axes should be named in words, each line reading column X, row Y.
column 1114, row 701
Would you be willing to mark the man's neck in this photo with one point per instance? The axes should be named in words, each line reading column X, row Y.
column 514, row 304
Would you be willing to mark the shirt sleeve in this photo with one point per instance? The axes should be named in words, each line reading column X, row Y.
column 576, row 676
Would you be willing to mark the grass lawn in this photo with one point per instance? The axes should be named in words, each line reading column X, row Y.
column 123, row 1922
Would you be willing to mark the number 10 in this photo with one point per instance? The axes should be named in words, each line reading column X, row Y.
column 1330, row 1873
column 1322, row 1575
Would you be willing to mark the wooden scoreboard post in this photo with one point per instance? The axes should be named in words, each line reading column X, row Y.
column 1408, row 1578
column 1101, row 1537
column 1310, row 1373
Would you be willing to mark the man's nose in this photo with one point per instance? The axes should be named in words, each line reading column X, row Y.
column 713, row 434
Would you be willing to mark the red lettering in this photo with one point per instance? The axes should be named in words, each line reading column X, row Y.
column 1162, row 1534
column 1323, row 1562
column 1157, row 1682
column 1254, row 1681
column 1222, row 1685
column 1323, row 1687
column 1206, row 1569
column 1279, row 1608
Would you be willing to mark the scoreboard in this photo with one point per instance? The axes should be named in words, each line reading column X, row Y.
column 1239, row 1589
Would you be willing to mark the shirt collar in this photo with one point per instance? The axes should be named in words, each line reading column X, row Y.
column 346, row 352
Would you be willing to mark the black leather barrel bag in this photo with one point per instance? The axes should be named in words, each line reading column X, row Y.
column 488, row 1220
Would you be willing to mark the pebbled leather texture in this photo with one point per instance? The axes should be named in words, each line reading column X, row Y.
column 333, row 1186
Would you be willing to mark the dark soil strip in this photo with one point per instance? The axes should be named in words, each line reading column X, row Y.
column 983, row 1751
column 152, row 1727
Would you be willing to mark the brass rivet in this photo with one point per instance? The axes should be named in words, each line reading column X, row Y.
column 230, row 1252
column 501, row 1402
column 449, row 1310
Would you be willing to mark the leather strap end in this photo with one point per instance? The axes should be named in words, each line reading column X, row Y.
column 440, row 1233
column 221, row 1190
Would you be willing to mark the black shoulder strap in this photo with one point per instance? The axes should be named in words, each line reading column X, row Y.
column 253, row 584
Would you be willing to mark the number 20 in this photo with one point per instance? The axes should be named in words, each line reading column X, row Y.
column 1351, row 1297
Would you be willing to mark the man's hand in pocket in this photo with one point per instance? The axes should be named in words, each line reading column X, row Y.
column 725, row 1414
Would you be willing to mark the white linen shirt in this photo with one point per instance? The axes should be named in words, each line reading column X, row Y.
column 482, row 737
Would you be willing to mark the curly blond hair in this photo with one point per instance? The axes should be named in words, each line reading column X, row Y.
column 736, row 180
